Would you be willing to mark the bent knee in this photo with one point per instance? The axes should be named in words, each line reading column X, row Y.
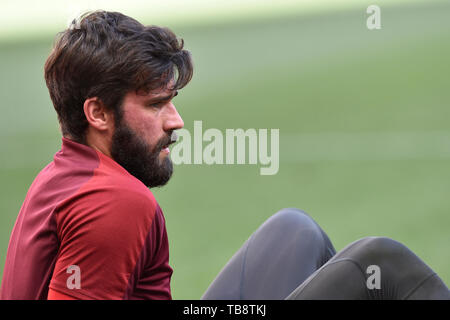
column 382, row 243
column 377, row 247
column 292, row 217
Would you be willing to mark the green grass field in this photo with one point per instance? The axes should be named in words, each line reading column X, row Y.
column 364, row 133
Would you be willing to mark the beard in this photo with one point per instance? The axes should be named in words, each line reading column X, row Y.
column 139, row 158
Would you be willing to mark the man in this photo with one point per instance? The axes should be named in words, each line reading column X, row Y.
column 90, row 228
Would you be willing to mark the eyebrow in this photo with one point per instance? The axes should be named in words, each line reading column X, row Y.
column 163, row 98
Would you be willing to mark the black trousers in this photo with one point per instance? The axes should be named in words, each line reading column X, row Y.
column 291, row 257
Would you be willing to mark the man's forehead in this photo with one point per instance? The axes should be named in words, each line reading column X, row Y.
column 156, row 93
column 166, row 91
column 163, row 91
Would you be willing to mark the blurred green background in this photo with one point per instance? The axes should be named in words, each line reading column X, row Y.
column 363, row 118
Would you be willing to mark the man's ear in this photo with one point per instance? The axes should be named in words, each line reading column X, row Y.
column 98, row 116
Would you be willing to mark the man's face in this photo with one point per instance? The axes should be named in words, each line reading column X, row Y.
column 143, row 133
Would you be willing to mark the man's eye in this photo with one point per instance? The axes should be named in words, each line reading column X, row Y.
column 157, row 105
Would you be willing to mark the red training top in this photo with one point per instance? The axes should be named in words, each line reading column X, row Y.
column 90, row 230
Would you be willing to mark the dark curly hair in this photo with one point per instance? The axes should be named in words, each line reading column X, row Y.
column 105, row 55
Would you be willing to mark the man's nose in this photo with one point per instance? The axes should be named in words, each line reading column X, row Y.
column 174, row 120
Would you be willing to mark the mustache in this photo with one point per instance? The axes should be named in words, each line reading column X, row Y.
column 165, row 141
